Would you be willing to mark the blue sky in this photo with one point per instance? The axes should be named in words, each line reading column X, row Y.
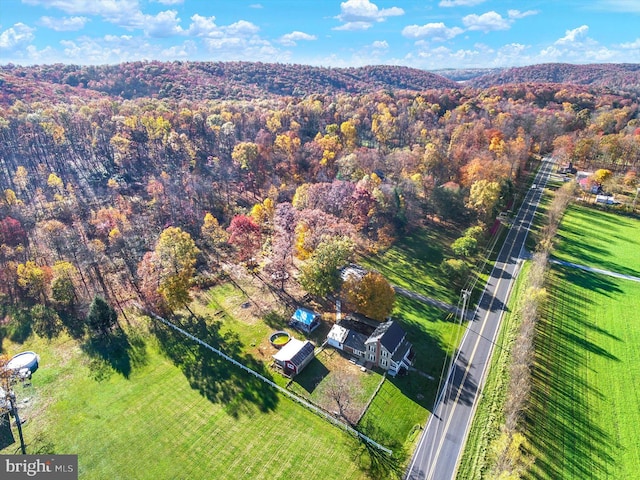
column 429, row 34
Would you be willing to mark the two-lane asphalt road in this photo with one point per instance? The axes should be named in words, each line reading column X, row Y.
column 442, row 441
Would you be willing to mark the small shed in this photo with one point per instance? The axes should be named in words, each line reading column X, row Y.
column 294, row 356
column 337, row 335
column 305, row 320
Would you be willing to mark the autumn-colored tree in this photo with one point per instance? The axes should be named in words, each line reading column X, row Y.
column 11, row 232
column 213, row 234
column 34, row 280
column 263, row 212
column 349, row 135
column 320, row 274
column 176, row 254
column 245, row 154
column 62, row 288
column 169, row 269
column 484, row 196
column 601, row 175
column 371, row 295
column 245, row 236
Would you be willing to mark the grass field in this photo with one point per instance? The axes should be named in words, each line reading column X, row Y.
column 600, row 239
column 162, row 422
column 393, row 415
column 586, row 406
column 414, row 262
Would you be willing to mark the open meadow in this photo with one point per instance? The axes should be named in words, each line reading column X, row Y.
column 585, row 403
column 600, row 239
column 167, row 420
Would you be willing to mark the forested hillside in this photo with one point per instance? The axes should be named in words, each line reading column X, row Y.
column 140, row 198
column 615, row 76
column 209, row 80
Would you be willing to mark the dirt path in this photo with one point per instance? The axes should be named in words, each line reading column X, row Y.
column 430, row 301
column 596, row 270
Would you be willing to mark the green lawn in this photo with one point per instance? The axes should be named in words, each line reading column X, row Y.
column 168, row 419
column 600, row 239
column 586, row 404
column 414, row 263
column 393, row 415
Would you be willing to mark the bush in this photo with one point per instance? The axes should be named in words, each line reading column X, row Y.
column 455, row 270
column 465, row 246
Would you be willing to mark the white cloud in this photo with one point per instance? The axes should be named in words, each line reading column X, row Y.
column 109, row 9
column 291, row 39
column 164, row 24
column 203, row 27
column 486, row 22
column 460, row 3
column 170, row 2
column 109, row 49
column 185, row 50
column 16, row 37
column 574, row 35
column 380, row 45
column 241, row 27
column 354, row 26
column 256, row 5
column 517, row 14
column 64, row 24
column 436, row 31
column 362, row 14
column 631, row 45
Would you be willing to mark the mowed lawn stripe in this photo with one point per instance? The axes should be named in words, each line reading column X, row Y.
column 586, row 409
column 600, row 239
column 154, row 425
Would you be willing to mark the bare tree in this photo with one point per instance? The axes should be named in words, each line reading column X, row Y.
column 341, row 388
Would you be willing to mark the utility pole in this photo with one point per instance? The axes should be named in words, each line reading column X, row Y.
column 465, row 298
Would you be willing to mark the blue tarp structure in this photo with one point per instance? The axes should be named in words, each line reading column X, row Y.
column 305, row 319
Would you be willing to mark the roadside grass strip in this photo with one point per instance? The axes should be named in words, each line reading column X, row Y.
column 585, row 410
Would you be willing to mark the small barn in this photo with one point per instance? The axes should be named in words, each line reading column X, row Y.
column 294, row 356
column 305, row 320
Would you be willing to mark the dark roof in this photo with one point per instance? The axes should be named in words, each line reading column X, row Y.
column 306, row 350
column 389, row 334
column 402, row 351
column 355, row 340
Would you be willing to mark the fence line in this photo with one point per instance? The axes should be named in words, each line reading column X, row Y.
column 286, row 392
column 366, row 407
